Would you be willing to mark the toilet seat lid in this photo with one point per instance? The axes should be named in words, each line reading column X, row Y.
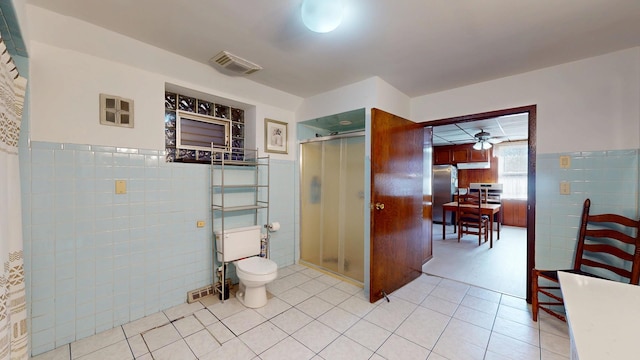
column 257, row 265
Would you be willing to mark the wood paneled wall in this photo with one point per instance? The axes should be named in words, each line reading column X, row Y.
column 514, row 212
column 468, row 176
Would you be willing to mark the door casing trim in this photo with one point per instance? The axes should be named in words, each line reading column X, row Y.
column 531, row 110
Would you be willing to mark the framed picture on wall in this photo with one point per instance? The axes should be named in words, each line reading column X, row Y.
column 275, row 136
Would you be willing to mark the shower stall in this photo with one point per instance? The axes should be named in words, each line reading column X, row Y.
column 332, row 204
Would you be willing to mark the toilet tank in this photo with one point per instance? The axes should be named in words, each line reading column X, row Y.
column 238, row 243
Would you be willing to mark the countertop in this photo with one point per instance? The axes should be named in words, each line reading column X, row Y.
column 603, row 317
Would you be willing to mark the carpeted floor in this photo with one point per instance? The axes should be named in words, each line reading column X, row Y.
column 501, row 269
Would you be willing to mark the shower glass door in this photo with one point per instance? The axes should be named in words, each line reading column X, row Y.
column 332, row 205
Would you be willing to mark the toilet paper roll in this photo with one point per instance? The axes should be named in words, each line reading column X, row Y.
column 274, row 226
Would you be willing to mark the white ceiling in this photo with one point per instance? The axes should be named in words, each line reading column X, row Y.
column 417, row 46
column 503, row 128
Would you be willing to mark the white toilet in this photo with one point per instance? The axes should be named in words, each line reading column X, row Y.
column 242, row 247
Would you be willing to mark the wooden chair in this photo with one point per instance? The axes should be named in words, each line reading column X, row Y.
column 470, row 218
column 608, row 247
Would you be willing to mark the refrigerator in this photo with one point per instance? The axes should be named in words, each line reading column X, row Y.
column 445, row 185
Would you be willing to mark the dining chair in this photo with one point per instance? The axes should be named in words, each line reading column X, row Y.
column 470, row 218
column 608, row 247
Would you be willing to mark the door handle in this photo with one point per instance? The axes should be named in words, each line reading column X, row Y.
column 379, row 206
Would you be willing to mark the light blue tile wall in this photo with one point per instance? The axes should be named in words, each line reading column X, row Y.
column 608, row 178
column 95, row 260
column 282, row 208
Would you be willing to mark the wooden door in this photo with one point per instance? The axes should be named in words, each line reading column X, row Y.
column 396, row 202
column 427, row 196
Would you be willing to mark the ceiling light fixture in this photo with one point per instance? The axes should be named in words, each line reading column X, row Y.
column 322, row 16
column 482, row 145
column 483, row 140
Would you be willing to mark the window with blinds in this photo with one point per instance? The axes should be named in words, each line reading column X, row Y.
column 513, row 168
column 192, row 124
column 199, row 132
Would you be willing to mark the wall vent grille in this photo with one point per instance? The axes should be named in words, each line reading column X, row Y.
column 197, row 294
column 116, row 111
column 234, row 63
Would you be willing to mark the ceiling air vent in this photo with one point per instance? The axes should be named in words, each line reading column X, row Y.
column 234, row 63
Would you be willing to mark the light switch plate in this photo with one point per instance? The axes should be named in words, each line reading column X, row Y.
column 121, row 186
column 565, row 162
column 200, row 223
column 565, row 188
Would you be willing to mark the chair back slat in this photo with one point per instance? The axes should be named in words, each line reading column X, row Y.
column 469, row 208
column 611, row 234
column 610, row 242
column 609, row 250
column 613, row 218
column 616, row 270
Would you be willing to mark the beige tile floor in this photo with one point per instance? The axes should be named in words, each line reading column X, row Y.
column 315, row 316
column 502, row 268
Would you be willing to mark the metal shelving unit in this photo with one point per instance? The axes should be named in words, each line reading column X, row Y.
column 248, row 194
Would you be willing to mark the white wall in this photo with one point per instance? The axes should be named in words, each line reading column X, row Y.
column 587, row 109
column 69, row 71
column 369, row 93
column 65, row 87
column 392, row 100
column 347, row 98
column 78, row 293
column 591, row 104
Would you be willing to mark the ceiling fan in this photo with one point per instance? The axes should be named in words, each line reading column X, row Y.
column 484, row 140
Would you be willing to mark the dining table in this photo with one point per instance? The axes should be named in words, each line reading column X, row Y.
column 489, row 209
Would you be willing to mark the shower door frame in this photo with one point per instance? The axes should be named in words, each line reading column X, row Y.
column 300, row 162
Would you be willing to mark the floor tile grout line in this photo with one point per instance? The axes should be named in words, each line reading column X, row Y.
column 172, row 322
column 98, row 349
column 129, row 344
column 492, row 332
column 499, row 304
column 434, row 343
column 313, row 319
column 493, row 324
column 540, row 339
column 380, row 346
column 451, row 317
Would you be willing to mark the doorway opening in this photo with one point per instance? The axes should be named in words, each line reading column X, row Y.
column 528, row 207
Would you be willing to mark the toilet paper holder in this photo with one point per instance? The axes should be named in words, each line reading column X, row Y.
column 274, row 226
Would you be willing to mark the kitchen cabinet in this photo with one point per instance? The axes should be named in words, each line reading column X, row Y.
column 442, row 155
column 478, row 155
column 454, row 154
column 459, row 154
